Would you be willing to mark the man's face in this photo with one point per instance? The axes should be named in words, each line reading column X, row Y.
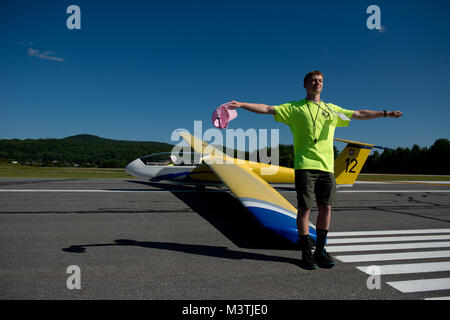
column 314, row 84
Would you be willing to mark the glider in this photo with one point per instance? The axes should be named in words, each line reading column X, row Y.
column 250, row 182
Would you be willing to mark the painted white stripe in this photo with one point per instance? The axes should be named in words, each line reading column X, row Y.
column 370, row 182
column 268, row 207
column 443, row 182
column 425, row 182
column 395, row 191
column 386, row 191
column 394, row 256
column 98, row 190
column 386, row 232
column 409, row 268
column 421, row 285
column 345, row 191
column 380, row 247
column 438, row 298
column 387, row 239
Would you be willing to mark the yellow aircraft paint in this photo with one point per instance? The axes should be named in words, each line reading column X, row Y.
column 347, row 165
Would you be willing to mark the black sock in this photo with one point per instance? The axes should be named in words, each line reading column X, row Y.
column 303, row 242
column 321, row 237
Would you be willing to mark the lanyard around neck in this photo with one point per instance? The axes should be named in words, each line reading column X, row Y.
column 314, row 120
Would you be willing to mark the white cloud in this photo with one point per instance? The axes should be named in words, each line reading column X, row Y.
column 47, row 55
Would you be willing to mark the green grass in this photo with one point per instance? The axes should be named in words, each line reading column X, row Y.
column 8, row 170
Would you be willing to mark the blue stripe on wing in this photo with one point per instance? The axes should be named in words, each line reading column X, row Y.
column 188, row 174
column 170, row 176
column 275, row 218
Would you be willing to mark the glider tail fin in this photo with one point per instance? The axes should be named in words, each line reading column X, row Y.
column 351, row 160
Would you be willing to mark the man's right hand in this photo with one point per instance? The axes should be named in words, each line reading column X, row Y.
column 235, row 104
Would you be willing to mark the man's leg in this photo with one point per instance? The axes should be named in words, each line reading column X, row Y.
column 324, row 217
column 322, row 226
column 308, row 261
column 325, row 193
column 304, row 184
column 303, row 229
column 303, row 221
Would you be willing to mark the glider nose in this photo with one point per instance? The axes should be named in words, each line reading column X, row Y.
column 134, row 168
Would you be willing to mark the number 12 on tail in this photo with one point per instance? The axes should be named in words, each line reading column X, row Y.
column 351, row 164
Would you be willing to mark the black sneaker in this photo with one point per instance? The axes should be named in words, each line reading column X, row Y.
column 323, row 259
column 308, row 262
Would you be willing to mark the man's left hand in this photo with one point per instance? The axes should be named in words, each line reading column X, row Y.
column 394, row 114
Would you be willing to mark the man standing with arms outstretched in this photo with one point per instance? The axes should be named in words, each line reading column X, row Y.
column 312, row 124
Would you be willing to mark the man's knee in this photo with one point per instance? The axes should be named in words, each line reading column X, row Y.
column 324, row 209
column 303, row 212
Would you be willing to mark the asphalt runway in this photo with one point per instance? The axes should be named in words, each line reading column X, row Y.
column 135, row 240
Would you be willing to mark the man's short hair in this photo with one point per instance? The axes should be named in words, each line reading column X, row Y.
column 312, row 73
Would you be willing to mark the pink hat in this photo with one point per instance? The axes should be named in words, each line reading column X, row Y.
column 222, row 115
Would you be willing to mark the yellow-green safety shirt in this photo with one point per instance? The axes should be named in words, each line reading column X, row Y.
column 310, row 122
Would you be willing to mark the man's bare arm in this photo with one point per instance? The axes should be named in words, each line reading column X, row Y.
column 253, row 107
column 368, row 114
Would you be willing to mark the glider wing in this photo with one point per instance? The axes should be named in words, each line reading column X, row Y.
column 268, row 206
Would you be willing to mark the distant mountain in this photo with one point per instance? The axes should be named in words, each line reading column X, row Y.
column 80, row 150
column 95, row 139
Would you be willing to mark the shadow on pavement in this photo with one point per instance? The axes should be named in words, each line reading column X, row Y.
column 204, row 250
column 228, row 216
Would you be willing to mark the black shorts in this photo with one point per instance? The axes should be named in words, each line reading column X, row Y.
column 308, row 183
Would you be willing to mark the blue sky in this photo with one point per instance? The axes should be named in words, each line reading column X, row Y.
column 137, row 70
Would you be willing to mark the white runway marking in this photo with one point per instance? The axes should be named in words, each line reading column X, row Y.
column 386, row 232
column 387, row 270
column 403, row 181
column 386, row 191
column 438, row 298
column 99, row 190
column 394, row 256
column 410, row 268
column 387, row 239
column 421, row 285
column 394, row 191
column 179, row 190
column 380, row 247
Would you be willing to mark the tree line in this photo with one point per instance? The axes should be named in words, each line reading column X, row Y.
column 417, row 160
column 80, row 150
column 92, row 151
